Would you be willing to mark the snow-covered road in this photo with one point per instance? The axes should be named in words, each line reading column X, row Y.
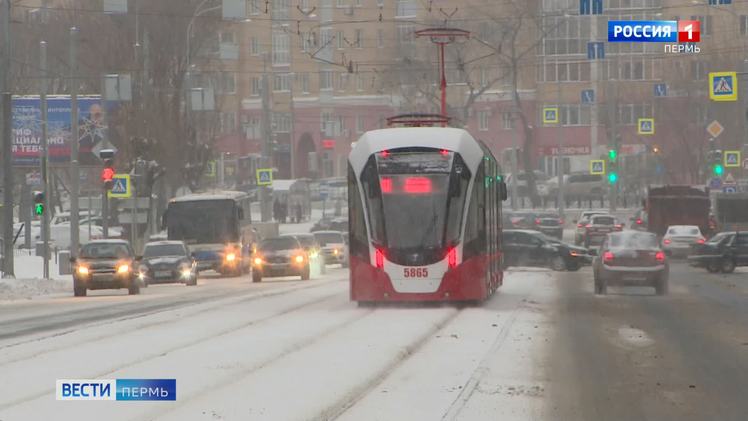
column 280, row 350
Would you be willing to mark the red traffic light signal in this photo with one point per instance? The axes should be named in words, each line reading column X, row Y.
column 107, row 177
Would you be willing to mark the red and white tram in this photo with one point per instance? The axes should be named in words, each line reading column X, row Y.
column 424, row 209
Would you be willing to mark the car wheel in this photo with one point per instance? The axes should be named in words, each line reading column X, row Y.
column 256, row 276
column 558, row 264
column 713, row 266
column 79, row 291
column 192, row 282
column 727, row 265
column 573, row 267
column 134, row 289
column 305, row 273
column 661, row 285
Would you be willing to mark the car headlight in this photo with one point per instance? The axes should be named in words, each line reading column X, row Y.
column 336, row 252
column 230, row 257
column 186, row 273
column 299, row 259
column 123, row 268
column 83, row 270
column 257, row 261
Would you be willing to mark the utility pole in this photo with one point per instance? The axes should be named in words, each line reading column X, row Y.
column 560, row 154
column 267, row 134
column 45, row 156
column 74, row 137
column 5, row 91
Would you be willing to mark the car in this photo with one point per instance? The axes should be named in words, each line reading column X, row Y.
column 519, row 220
column 582, row 222
column 280, row 256
column 167, row 262
column 598, row 227
column 521, row 180
column 313, row 249
column 721, row 253
column 105, row 264
column 639, row 220
column 533, row 248
column 579, row 185
column 334, row 247
column 678, row 239
column 549, row 223
column 630, row 258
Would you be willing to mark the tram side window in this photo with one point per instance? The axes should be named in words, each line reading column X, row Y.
column 373, row 197
column 358, row 242
column 475, row 223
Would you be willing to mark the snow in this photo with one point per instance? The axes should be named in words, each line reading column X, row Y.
column 29, row 283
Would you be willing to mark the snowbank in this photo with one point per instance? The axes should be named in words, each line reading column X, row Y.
column 29, row 283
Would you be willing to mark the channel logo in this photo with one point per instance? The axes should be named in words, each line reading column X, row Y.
column 116, row 390
column 654, row 31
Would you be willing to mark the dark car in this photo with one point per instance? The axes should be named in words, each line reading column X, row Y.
column 167, row 262
column 549, row 223
column 105, row 264
column 631, row 258
column 721, row 253
column 519, row 220
column 280, row 256
column 330, row 224
column 533, row 248
column 313, row 251
column 598, row 227
column 639, row 220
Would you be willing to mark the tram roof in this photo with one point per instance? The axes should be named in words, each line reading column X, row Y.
column 451, row 139
column 210, row 195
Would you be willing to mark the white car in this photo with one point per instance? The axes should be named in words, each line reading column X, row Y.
column 334, row 248
column 678, row 239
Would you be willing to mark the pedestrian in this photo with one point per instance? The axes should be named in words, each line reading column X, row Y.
column 276, row 210
column 283, row 212
column 298, row 212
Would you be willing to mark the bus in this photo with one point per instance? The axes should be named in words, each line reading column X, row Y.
column 216, row 227
column 424, row 214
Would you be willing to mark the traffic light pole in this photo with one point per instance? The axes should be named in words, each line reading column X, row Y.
column 74, row 138
column 44, row 157
column 105, row 212
column 5, row 92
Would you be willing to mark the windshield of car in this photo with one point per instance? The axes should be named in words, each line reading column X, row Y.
column 306, row 241
column 633, row 240
column 324, row 238
column 684, row 230
column 161, row 250
column 719, row 238
column 105, row 251
column 278, row 244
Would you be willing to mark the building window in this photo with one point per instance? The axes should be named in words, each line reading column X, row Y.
column 629, row 114
column 304, row 82
column 705, row 22
column 281, row 48
column 254, row 7
column 483, row 120
column 698, row 70
column 406, row 34
column 574, row 115
column 325, row 80
column 405, row 8
column 360, row 82
column 281, row 122
column 252, row 129
column 564, row 72
column 341, row 81
column 743, row 25
column 254, row 46
column 360, row 124
column 341, row 3
column 380, row 38
column 228, row 122
column 358, row 41
column 280, row 9
column 565, row 35
column 226, row 83
column 282, row 82
column 507, row 121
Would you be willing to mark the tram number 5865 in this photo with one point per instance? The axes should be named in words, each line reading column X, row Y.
column 416, row 272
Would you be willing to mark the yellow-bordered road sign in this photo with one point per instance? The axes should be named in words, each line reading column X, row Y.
column 550, row 115
column 597, row 166
column 732, row 158
column 264, row 176
column 723, row 86
column 121, row 186
column 645, row 126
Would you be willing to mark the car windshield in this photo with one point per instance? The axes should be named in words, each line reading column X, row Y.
column 719, row 238
column 105, row 251
column 306, row 241
column 324, row 238
column 159, row 250
column 633, row 240
column 278, row 244
column 684, row 230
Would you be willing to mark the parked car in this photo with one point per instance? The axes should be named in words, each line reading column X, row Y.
column 678, row 239
column 721, row 253
column 598, row 227
column 582, row 221
column 334, row 247
column 105, row 264
column 521, row 180
column 280, row 256
column 167, row 262
column 533, row 248
column 630, row 258
column 579, row 185
column 313, row 250
column 330, row 224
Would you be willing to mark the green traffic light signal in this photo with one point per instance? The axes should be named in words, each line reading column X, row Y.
column 38, row 209
column 612, row 154
column 719, row 169
column 612, row 178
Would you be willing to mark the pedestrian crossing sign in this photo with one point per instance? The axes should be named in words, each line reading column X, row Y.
column 646, row 126
column 597, row 167
column 121, row 187
column 732, row 158
column 264, row 176
column 723, row 86
column 550, row 115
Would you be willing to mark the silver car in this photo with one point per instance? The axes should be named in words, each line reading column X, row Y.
column 631, row 258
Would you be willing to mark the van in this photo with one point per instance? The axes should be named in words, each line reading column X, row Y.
column 579, row 185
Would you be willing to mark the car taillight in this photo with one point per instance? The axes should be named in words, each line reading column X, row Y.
column 452, row 258
column 537, row 221
column 700, row 241
column 638, row 222
column 619, row 227
column 580, row 225
column 666, row 241
column 560, row 221
column 379, row 257
column 660, row 256
column 608, row 257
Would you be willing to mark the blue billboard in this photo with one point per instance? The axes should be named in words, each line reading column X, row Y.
column 27, row 129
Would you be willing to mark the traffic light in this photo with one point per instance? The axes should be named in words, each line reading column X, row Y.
column 715, row 158
column 107, row 173
column 718, row 170
column 38, row 203
column 612, row 166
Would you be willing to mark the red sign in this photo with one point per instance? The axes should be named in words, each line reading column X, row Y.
column 567, row 150
column 328, row 143
column 689, row 31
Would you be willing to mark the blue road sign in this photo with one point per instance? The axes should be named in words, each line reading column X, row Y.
column 730, row 189
column 264, row 176
column 660, row 89
column 715, row 183
column 588, row 96
column 121, row 187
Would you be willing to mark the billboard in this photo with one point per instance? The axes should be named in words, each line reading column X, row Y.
column 27, row 129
